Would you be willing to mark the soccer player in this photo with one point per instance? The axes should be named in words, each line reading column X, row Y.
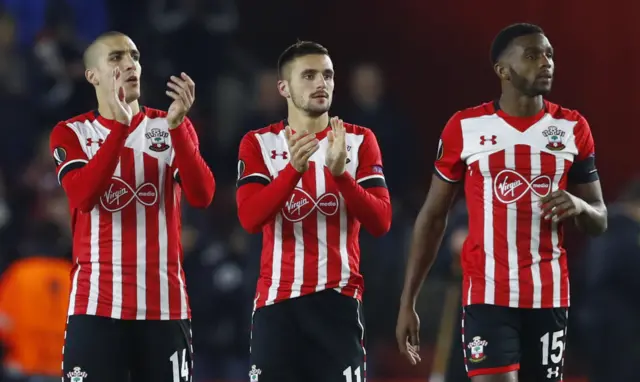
column 308, row 183
column 124, row 168
column 528, row 168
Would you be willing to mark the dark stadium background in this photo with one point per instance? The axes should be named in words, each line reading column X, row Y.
column 426, row 60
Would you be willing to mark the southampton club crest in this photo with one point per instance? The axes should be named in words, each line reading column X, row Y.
column 158, row 140
column 77, row 375
column 477, row 349
column 555, row 138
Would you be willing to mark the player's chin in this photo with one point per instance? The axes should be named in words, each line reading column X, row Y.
column 132, row 95
column 319, row 107
column 542, row 87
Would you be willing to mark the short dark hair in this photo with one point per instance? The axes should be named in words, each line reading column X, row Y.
column 299, row 49
column 88, row 55
column 502, row 41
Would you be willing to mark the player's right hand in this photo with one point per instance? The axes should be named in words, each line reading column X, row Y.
column 117, row 103
column 407, row 333
column 301, row 147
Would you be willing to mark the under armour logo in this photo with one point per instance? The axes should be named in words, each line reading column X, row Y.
column 484, row 139
column 275, row 154
column 553, row 372
column 92, row 141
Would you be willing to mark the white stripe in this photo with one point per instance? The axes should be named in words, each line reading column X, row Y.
column 322, row 232
column 258, row 175
column 276, row 261
column 116, row 248
column 344, row 253
column 446, row 178
column 464, row 345
column 489, row 261
column 74, row 290
column 163, row 257
column 67, row 164
column 298, row 268
column 512, row 236
column 265, row 155
column 92, row 305
column 364, row 351
column 555, row 263
column 141, row 238
column 183, row 296
column 469, row 291
column 536, row 168
column 370, row 177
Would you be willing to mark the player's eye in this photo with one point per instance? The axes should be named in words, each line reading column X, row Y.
column 328, row 76
column 549, row 55
column 308, row 76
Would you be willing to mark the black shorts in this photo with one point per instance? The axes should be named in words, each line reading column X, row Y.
column 317, row 337
column 498, row 339
column 100, row 349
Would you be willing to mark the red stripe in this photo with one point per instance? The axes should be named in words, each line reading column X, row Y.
column 266, row 265
column 474, row 257
column 105, row 278
column 82, row 246
column 523, row 229
column 500, row 244
column 494, row 370
column 174, row 255
column 353, row 252
column 129, row 241
column 152, row 242
column 334, row 262
column 548, row 165
column 564, row 270
column 287, row 263
column 311, row 243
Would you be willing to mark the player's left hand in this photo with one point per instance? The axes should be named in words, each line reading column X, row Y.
column 183, row 91
column 561, row 205
column 336, row 158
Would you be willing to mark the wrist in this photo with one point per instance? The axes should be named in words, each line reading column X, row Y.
column 339, row 174
column 407, row 301
column 584, row 207
column 175, row 124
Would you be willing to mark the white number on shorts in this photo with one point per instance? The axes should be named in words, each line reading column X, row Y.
column 549, row 348
column 180, row 367
column 349, row 373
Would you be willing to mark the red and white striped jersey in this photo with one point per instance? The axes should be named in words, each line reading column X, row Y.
column 511, row 256
column 311, row 242
column 127, row 252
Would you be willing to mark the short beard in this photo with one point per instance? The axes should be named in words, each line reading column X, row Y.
column 523, row 86
column 313, row 113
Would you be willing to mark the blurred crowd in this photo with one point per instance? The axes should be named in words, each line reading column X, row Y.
column 42, row 82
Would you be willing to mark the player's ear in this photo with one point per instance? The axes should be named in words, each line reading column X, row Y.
column 283, row 88
column 502, row 71
column 91, row 77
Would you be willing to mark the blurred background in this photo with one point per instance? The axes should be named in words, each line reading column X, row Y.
column 403, row 68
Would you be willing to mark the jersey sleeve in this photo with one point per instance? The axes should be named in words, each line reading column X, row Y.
column 370, row 170
column 193, row 137
column 66, row 150
column 251, row 166
column 449, row 165
column 583, row 169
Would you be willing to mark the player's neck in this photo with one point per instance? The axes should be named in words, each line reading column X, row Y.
column 518, row 105
column 299, row 121
column 104, row 111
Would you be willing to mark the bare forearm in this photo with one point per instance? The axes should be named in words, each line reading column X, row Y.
column 593, row 220
column 427, row 236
